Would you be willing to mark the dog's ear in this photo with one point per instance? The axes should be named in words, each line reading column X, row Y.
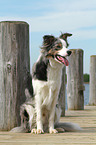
column 65, row 35
column 48, row 40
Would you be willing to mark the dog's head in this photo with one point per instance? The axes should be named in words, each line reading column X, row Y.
column 56, row 48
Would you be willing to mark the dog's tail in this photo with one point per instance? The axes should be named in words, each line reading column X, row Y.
column 69, row 127
column 19, row 129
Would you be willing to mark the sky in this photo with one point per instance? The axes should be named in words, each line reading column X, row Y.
column 47, row 17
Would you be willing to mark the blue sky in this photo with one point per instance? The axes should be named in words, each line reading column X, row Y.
column 53, row 17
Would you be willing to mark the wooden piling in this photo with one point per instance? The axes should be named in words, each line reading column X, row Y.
column 62, row 92
column 75, row 87
column 14, row 65
column 92, row 96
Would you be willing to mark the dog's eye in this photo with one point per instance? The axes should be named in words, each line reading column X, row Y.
column 58, row 46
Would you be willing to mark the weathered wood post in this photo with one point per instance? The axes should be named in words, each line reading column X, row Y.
column 62, row 92
column 92, row 96
column 14, row 64
column 75, row 87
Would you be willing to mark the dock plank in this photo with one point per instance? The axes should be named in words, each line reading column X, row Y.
column 86, row 119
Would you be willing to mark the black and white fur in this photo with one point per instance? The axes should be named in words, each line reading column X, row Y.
column 41, row 113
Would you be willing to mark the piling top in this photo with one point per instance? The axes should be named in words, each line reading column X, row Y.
column 93, row 56
column 77, row 49
column 14, row 22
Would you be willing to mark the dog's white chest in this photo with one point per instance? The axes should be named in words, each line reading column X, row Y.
column 54, row 73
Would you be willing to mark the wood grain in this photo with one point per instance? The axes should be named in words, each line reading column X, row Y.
column 75, row 87
column 92, row 96
column 62, row 92
column 85, row 118
column 14, row 64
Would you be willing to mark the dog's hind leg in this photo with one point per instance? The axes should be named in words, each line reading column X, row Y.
column 60, row 130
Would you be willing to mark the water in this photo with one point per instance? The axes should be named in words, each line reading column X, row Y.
column 86, row 95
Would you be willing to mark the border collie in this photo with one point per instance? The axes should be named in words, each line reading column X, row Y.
column 41, row 113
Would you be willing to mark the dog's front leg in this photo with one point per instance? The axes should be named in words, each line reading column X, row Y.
column 52, row 114
column 39, row 129
column 39, row 118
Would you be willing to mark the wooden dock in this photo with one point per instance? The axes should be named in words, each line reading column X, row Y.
column 86, row 119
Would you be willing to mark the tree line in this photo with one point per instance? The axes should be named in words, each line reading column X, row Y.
column 86, row 78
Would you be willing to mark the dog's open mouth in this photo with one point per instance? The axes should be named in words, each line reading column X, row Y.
column 62, row 59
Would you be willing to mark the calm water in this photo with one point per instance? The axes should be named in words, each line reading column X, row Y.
column 86, row 95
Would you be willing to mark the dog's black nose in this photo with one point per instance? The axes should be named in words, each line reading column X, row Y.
column 69, row 52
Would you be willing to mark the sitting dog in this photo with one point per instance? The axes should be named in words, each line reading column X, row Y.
column 41, row 112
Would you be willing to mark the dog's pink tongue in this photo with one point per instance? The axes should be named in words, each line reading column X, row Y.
column 63, row 60
column 66, row 62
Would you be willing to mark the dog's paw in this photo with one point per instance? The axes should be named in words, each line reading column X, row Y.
column 40, row 131
column 53, row 131
column 34, row 131
column 37, row 131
